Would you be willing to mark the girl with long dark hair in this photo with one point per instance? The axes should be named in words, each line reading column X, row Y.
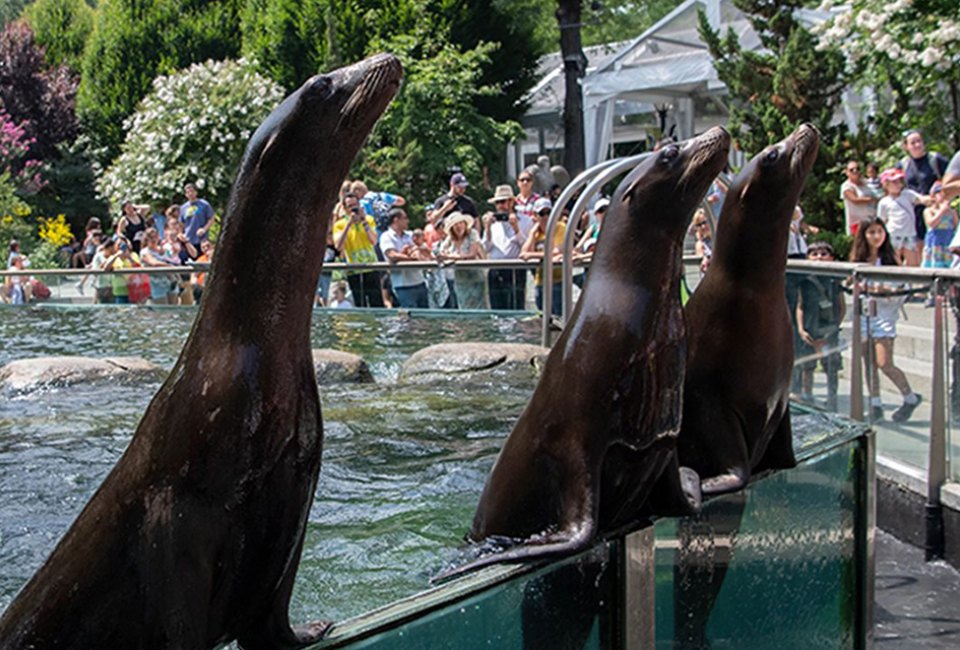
column 872, row 246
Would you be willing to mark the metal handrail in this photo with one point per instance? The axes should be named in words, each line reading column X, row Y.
column 602, row 177
column 568, row 193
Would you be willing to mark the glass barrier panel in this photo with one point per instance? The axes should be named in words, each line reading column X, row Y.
column 773, row 567
column 568, row 604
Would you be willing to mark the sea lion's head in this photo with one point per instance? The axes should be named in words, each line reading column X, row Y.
column 307, row 144
column 290, row 177
column 771, row 183
column 664, row 189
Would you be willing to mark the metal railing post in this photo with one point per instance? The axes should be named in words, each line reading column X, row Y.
column 856, row 355
column 603, row 176
column 937, row 461
column 568, row 192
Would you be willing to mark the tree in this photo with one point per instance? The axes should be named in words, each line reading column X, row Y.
column 39, row 98
column 433, row 123
column 192, row 127
column 907, row 55
column 133, row 42
column 62, row 28
column 779, row 87
column 10, row 10
column 289, row 39
column 574, row 68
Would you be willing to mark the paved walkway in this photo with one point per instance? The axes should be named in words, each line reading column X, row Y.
column 917, row 603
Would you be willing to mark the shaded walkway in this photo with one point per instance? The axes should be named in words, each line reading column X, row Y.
column 917, row 603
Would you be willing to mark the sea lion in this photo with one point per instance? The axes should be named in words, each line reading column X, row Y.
column 736, row 416
column 195, row 536
column 601, row 425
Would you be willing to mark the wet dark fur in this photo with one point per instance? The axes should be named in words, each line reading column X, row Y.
column 736, row 414
column 195, row 536
column 601, row 426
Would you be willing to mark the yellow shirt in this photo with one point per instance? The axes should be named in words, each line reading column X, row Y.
column 558, row 235
column 357, row 248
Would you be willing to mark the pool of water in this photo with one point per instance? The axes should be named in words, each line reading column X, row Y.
column 403, row 466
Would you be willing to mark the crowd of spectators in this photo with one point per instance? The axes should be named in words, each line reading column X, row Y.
column 912, row 199
column 369, row 226
column 141, row 239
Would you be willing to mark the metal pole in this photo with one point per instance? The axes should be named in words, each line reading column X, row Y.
column 603, row 176
column 567, row 194
column 937, row 462
column 856, row 355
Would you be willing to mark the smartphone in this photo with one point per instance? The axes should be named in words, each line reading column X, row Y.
column 501, row 216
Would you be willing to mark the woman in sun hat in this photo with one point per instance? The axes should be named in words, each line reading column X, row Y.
column 463, row 243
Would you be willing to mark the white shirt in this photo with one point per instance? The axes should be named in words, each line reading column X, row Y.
column 391, row 240
column 897, row 213
column 854, row 213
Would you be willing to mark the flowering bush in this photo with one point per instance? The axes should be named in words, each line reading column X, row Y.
column 55, row 230
column 22, row 172
column 192, row 127
column 908, row 56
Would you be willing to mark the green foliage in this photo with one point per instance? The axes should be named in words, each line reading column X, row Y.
column 908, row 55
column 10, row 10
column 289, row 39
column 133, row 42
column 433, row 124
column 13, row 211
column 70, row 188
column 777, row 89
column 193, row 127
column 292, row 40
column 45, row 255
column 841, row 242
column 62, row 28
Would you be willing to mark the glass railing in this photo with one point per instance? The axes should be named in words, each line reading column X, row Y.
column 793, row 554
column 847, row 371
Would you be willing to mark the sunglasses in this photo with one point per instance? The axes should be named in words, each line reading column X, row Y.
column 853, row 169
column 700, row 224
column 524, row 180
column 544, row 213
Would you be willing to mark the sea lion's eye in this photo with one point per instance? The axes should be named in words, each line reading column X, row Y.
column 670, row 153
column 771, row 156
column 320, row 86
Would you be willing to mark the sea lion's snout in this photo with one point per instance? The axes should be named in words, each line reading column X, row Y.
column 806, row 144
column 706, row 156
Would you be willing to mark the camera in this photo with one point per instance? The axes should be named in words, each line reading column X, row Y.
column 355, row 210
column 501, row 216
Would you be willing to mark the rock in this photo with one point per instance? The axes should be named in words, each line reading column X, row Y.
column 27, row 375
column 336, row 367
column 512, row 363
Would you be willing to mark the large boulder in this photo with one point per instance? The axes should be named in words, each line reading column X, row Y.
column 336, row 367
column 511, row 363
column 27, row 375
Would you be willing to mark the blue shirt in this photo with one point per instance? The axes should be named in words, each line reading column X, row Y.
column 195, row 215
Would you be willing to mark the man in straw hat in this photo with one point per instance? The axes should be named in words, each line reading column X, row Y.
column 504, row 232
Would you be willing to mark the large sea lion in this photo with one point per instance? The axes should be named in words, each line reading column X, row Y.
column 601, row 426
column 736, row 416
column 195, row 536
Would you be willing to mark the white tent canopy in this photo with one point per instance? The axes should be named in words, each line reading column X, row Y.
column 667, row 67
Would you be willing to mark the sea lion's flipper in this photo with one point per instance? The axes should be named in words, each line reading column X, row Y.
column 676, row 493
column 553, row 545
column 779, row 451
column 735, row 479
column 312, row 632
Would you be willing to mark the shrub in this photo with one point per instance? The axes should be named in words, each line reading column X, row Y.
column 193, row 126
